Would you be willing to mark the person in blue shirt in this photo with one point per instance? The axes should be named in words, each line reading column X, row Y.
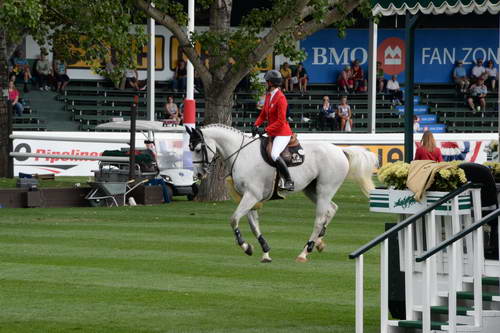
column 460, row 77
column 477, row 96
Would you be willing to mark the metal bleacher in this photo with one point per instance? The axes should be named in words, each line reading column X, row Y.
column 93, row 102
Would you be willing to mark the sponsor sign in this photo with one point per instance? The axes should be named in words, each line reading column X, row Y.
column 469, row 147
column 436, row 51
column 417, row 109
column 434, row 128
column 427, row 119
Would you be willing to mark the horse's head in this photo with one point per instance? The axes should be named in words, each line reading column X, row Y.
column 203, row 151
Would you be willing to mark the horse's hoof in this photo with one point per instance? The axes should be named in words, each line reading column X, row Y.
column 301, row 259
column 321, row 246
column 249, row 249
column 265, row 258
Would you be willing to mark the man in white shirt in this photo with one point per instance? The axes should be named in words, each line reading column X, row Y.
column 478, row 70
column 394, row 90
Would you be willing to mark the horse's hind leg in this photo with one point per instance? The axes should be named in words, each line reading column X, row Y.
column 247, row 202
column 253, row 220
column 310, row 192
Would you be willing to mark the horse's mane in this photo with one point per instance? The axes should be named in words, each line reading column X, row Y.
column 224, row 127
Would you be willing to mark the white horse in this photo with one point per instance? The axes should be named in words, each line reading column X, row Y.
column 325, row 168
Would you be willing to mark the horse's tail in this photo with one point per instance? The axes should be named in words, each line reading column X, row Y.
column 362, row 164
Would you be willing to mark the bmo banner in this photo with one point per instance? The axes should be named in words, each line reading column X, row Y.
column 436, row 51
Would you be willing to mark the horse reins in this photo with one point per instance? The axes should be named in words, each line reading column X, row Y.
column 210, row 165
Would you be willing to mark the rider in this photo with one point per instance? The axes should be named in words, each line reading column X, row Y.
column 274, row 112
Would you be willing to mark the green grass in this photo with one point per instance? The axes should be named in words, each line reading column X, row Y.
column 63, row 181
column 176, row 268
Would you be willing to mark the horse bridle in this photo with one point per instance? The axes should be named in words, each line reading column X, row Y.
column 204, row 152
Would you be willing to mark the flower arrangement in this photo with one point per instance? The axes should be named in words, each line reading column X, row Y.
column 495, row 169
column 395, row 175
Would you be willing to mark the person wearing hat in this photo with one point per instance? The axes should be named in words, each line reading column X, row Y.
column 460, row 77
column 278, row 129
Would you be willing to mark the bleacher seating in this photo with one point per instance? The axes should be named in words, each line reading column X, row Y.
column 95, row 102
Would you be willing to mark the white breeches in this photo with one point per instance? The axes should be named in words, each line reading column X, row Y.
column 279, row 144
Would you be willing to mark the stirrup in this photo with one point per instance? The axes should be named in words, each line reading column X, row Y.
column 288, row 185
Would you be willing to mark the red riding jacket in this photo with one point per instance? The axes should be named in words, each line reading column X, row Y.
column 274, row 112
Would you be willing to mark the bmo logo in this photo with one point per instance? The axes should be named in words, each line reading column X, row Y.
column 391, row 54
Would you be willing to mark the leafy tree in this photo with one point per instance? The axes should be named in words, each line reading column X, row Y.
column 99, row 27
column 233, row 53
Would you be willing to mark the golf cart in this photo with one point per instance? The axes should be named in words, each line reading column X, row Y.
column 173, row 162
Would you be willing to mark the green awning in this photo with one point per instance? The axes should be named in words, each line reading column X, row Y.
column 435, row 7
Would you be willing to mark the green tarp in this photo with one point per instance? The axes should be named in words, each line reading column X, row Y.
column 434, row 7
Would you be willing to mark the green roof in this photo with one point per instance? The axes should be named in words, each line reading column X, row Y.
column 434, row 7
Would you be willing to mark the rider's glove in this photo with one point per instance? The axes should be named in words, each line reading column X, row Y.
column 255, row 131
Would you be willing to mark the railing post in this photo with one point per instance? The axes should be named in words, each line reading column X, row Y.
column 408, row 248
column 478, row 257
column 452, row 295
column 359, row 294
column 384, row 285
column 426, row 308
column 455, row 229
column 431, row 241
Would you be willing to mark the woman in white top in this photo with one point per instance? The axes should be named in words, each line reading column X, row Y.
column 491, row 72
column 171, row 110
column 344, row 113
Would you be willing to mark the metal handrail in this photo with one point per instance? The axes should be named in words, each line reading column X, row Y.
column 379, row 239
column 459, row 235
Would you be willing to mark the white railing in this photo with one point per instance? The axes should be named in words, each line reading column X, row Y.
column 428, row 269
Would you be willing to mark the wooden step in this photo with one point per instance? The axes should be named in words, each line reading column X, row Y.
column 487, row 296
column 435, row 325
column 487, row 280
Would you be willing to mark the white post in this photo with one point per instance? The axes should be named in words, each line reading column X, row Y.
column 431, row 242
column 359, row 294
column 408, row 253
column 384, row 285
column 426, row 308
column 372, row 77
column 452, row 294
column 190, row 69
column 455, row 229
column 478, row 214
column 478, row 258
column 151, row 68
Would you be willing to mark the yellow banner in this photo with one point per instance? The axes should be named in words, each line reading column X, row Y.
column 388, row 153
column 175, row 52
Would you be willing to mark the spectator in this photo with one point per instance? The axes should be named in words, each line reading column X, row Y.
column 327, row 115
column 180, row 76
column 14, row 99
column 20, row 67
column 172, row 111
column 478, row 70
column 381, row 82
column 62, row 77
column 416, row 124
column 132, row 79
column 44, row 71
column 302, row 77
column 491, row 75
column 358, row 77
column 477, row 95
column 345, row 80
column 344, row 114
column 460, row 77
column 286, row 74
column 395, row 91
column 428, row 149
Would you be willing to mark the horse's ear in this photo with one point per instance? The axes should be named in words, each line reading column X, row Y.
column 189, row 130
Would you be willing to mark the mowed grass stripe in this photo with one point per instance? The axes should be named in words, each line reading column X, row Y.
column 162, row 269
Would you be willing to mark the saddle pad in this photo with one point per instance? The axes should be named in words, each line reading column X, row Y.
column 293, row 155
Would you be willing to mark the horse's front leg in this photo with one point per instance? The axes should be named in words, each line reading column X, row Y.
column 253, row 220
column 247, row 202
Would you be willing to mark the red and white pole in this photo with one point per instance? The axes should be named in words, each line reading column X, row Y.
column 189, row 103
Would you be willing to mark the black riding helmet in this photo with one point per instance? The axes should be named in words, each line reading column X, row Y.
column 274, row 77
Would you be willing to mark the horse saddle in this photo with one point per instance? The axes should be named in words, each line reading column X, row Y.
column 293, row 155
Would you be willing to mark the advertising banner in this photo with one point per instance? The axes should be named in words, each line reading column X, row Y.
column 471, row 147
column 436, row 51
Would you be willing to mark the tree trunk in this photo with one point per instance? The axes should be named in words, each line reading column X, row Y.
column 218, row 107
column 5, row 169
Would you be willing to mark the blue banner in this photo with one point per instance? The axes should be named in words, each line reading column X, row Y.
column 427, row 119
column 417, row 109
column 436, row 52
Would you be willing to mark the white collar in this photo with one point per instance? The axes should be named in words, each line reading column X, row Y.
column 272, row 94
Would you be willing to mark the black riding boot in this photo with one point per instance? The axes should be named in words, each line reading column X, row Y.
column 283, row 170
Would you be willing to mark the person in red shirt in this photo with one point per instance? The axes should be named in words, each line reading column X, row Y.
column 278, row 129
column 428, row 149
